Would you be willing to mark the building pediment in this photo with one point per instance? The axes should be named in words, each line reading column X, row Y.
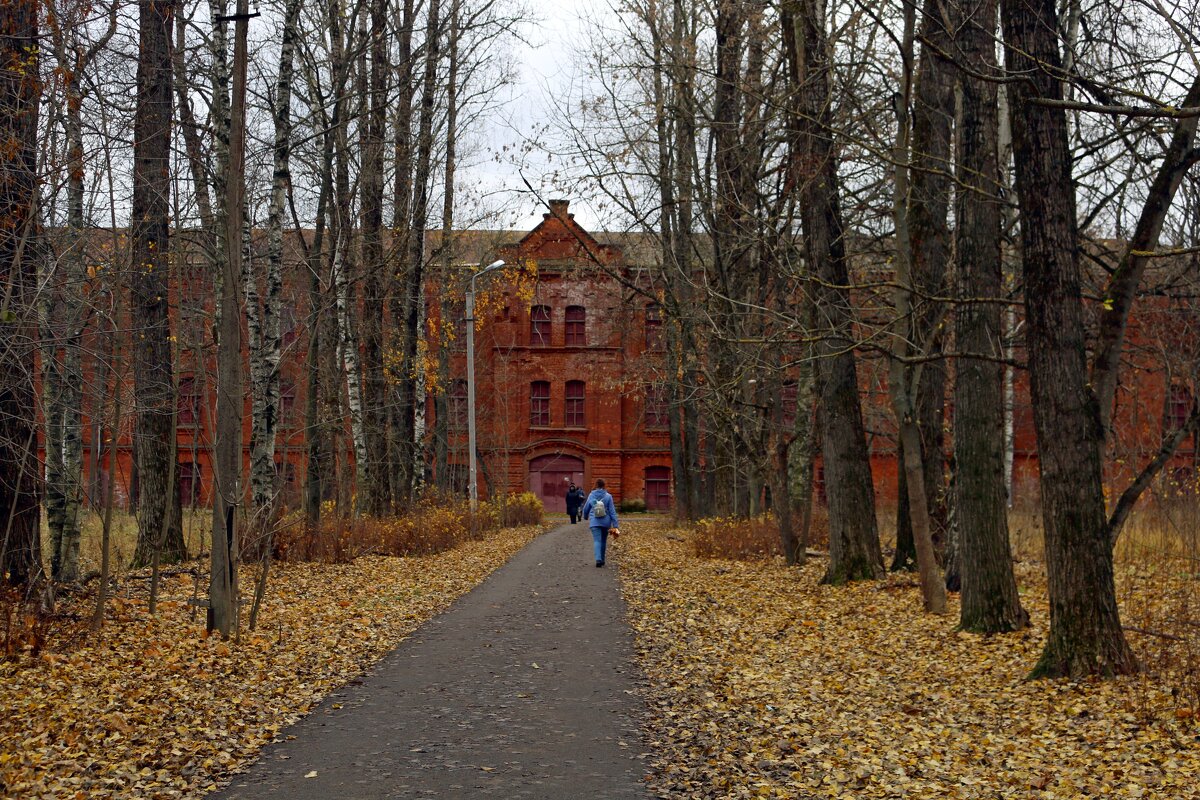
column 560, row 243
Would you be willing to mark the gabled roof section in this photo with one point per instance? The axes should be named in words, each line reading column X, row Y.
column 559, row 238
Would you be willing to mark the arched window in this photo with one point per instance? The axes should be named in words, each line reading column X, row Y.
column 576, row 335
column 539, row 404
column 654, row 338
column 539, row 326
column 576, row 417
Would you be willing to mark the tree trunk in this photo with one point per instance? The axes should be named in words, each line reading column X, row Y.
column 853, row 537
column 1122, row 287
column 402, row 232
column 915, row 335
column 905, row 557
column 414, row 301
column 20, row 540
column 154, row 442
column 373, row 487
column 227, row 494
column 1085, row 627
column 441, row 435
column 929, row 201
column 265, row 343
column 990, row 603
column 318, row 453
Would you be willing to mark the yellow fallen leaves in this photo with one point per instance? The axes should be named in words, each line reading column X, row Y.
column 154, row 710
column 765, row 684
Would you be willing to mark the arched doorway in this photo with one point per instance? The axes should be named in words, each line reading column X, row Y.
column 549, row 476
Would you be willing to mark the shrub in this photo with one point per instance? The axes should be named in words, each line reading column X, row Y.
column 519, row 509
column 634, row 505
column 740, row 539
column 435, row 525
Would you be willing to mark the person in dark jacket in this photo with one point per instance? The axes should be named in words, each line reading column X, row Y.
column 599, row 509
column 574, row 502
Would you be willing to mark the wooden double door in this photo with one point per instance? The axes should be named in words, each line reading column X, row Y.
column 549, row 477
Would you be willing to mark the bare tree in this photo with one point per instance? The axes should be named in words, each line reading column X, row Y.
column 154, row 441
column 1085, row 637
column 20, row 542
column 853, row 537
column 415, row 267
column 990, row 603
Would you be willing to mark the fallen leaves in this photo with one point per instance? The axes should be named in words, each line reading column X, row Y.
column 765, row 684
column 156, row 710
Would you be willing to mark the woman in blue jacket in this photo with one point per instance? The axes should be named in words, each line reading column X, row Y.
column 599, row 510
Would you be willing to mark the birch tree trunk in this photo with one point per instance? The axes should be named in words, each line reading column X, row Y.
column 67, row 420
column 414, row 305
column 265, row 343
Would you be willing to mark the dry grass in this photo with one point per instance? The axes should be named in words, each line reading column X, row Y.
column 197, row 530
column 435, row 526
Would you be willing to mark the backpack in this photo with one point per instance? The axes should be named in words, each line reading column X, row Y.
column 599, row 510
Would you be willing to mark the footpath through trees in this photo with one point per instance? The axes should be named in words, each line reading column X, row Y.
column 524, row 688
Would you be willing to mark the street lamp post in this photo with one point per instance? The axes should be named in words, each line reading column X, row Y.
column 472, row 483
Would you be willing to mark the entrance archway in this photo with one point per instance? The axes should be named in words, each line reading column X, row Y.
column 549, row 476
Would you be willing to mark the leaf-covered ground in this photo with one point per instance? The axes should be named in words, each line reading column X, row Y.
column 153, row 710
column 765, row 684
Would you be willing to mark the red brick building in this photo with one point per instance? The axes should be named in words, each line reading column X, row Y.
column 566, row 375
column 562, row 377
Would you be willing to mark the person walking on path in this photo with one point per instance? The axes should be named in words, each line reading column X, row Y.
column 599, row 509
column 574, row 502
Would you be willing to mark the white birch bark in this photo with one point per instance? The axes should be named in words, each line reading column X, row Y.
column 265, row 341
column 348, row 347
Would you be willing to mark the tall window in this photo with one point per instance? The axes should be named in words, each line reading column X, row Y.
column 539, row 403
column 576, row 326
column 287, row 399
column 654, row 338
column 189, row 402
column 457, row 313
column 539, row 325
column 1179, row 407
column 575, row 405
column 189, row 483
column 789, row 405
column 656, row 408
column 457, row 410
column 288, row 329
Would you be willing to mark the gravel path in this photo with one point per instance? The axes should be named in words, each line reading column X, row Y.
column 525, row 688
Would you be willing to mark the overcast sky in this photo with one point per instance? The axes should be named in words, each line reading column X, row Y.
column 548, row 70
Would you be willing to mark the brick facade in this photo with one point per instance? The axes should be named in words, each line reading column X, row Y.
column 594, row 368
